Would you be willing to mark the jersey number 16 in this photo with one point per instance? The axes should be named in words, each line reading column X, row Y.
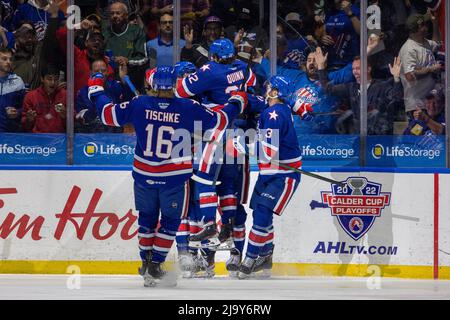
column 160, row 142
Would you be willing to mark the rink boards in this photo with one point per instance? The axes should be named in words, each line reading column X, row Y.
column 80, row 220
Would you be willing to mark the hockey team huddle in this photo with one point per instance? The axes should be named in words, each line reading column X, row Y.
column 181, row 181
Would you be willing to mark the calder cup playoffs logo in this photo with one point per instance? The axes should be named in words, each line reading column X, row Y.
column 356, row 205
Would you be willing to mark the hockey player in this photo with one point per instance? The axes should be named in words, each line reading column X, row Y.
column 161, row 186
column 277, row 143
column 188, row 258
column 216, row 80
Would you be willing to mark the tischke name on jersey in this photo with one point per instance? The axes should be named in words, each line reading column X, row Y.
column 162, row 116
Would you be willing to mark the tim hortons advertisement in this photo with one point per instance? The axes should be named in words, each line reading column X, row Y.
column 89, row 215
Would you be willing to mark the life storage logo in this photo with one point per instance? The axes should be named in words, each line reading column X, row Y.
column 356, row 205
column 401, row 151
column 90, row 149
column 377, row 151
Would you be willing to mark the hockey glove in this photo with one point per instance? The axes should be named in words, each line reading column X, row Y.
column 239, row 97
column 236, row 146
column 96, row 85
column 306, row 112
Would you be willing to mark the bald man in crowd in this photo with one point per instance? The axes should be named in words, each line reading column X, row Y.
column 126, row 42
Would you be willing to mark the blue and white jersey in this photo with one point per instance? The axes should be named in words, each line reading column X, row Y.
column 113, row 89
column 12, row 92
column 37, row 16
column 277, row 140
column 346, row 41
column 163, row 155
column 307, row 92
column 215, row 82
column 295, row 54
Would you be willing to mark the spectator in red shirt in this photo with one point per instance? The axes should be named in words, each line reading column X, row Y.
column 44, row 109
column 94, row 49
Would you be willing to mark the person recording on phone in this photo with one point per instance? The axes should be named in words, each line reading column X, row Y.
column 429, row 115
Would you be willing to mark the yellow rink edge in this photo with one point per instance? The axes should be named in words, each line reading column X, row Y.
column 279, row 269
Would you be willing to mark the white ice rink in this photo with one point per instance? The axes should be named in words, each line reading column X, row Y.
column 130, row 287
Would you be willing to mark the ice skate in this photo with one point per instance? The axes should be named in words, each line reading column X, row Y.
column 232, row 264
column 143, row 271
column 187, row 264
column 263, row 266
column 207, row 238
column 154, row 275
column 225, row 232
column 246, row 267
column 205, row 265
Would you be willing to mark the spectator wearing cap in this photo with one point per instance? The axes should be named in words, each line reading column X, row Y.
column 298, row 39
column 30, row 55
column 126, row 42
column 94, row 49
column 429, row 116
column 37, row 12
column 198, row 53
column 92, row 23
column 44, row 109
column 162, row 46
column 419, row 66
column 340, row 32
column 12, row 90
column 246, row 33
column 224, row 9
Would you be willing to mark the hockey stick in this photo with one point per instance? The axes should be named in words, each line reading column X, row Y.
column 130, row 85
column 240, row 149
column 309, row 174
column 298, row 33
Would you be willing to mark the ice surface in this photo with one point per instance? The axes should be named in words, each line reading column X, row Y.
column 131, row 287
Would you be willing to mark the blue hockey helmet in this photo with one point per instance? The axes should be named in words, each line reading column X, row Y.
column 222, row 48
column 281, row 84
column 163, row 78
column 184, row 67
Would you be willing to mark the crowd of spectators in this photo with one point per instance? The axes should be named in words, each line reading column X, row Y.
column 318, row 49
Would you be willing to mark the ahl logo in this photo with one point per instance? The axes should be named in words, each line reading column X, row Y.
column 90, row 149
column 356, row 205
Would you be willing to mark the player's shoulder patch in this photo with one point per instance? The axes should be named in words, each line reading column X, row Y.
column 206, row 67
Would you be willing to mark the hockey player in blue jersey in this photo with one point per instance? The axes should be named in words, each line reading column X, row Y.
column 276, row 143
column 163, row 158
column 189, row 260
column 219, row 77
column 215, row 81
